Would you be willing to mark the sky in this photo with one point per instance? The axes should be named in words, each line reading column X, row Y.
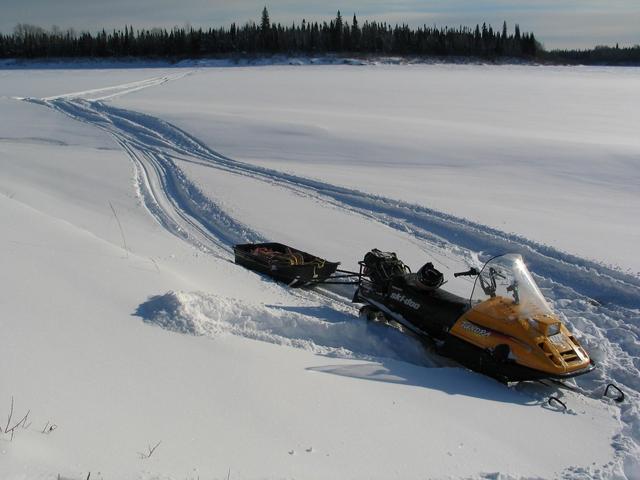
column 556, row 23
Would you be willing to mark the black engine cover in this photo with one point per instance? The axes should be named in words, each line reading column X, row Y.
column 430, row 311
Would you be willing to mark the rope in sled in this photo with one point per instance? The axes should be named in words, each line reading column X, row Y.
column 287, row 258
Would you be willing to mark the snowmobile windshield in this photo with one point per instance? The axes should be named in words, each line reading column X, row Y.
column 507, row 277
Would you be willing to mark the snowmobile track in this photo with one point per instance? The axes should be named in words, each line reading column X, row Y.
column 171, row 198
column 161, row 139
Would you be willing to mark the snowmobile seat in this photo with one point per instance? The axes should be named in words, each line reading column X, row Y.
column 442, row 308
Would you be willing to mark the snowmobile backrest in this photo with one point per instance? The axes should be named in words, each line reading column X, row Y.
column 430, row 277
column 381, row 267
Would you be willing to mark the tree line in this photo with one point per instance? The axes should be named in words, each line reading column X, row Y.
column 336, row 36
column 600, row 55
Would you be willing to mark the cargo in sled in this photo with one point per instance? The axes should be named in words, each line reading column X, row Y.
column 286, row 264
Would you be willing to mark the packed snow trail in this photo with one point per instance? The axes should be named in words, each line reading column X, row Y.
column 173, row 200
column 160, row 138
column 113, row 91
column 609, row 326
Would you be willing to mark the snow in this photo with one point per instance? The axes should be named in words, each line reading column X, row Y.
column 126, row 322
column 502, row 145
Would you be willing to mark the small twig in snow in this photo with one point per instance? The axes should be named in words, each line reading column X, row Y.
column 150, row 450
column 49, row 427
column 124, row 240
column 20, row 423
column 6, row 429
column 23, row 422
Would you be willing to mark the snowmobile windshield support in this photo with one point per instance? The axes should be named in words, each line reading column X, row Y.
column 508, row 277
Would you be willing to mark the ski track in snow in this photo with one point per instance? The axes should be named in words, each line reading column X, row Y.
column 609, row 326
column 173, row 200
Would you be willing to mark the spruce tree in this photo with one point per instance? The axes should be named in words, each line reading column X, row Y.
column 337, row 33
column 355, row 34
column 265, row 29
column 265, row 23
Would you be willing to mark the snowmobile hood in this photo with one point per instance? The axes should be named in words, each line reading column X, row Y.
column 510, row 315
column 540, row 342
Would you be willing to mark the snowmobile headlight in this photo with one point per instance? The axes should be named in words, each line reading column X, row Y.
column 553, row 329
column 534, row 324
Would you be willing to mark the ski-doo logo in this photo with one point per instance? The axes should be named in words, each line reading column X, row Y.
column 398, row 297
column 473, row 328
column 558, row 339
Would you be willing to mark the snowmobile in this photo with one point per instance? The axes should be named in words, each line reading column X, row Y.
column 504, row 329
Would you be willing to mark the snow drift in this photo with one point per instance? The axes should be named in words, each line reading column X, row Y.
column 319, row 330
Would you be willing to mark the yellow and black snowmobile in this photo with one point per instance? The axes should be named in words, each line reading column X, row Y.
column 504, row 329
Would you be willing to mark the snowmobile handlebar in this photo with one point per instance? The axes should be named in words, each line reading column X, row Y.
column 469, row 273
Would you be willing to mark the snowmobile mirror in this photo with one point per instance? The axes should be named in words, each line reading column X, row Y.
column 496, row 273
column 489, row 286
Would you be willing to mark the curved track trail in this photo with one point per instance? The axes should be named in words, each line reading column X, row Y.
column 173, row 200
column 601, row 303
column 160, row 140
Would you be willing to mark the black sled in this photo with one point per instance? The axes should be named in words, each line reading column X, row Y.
column 283, row 263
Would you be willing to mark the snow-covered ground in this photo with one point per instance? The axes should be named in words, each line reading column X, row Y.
column 125, row 322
